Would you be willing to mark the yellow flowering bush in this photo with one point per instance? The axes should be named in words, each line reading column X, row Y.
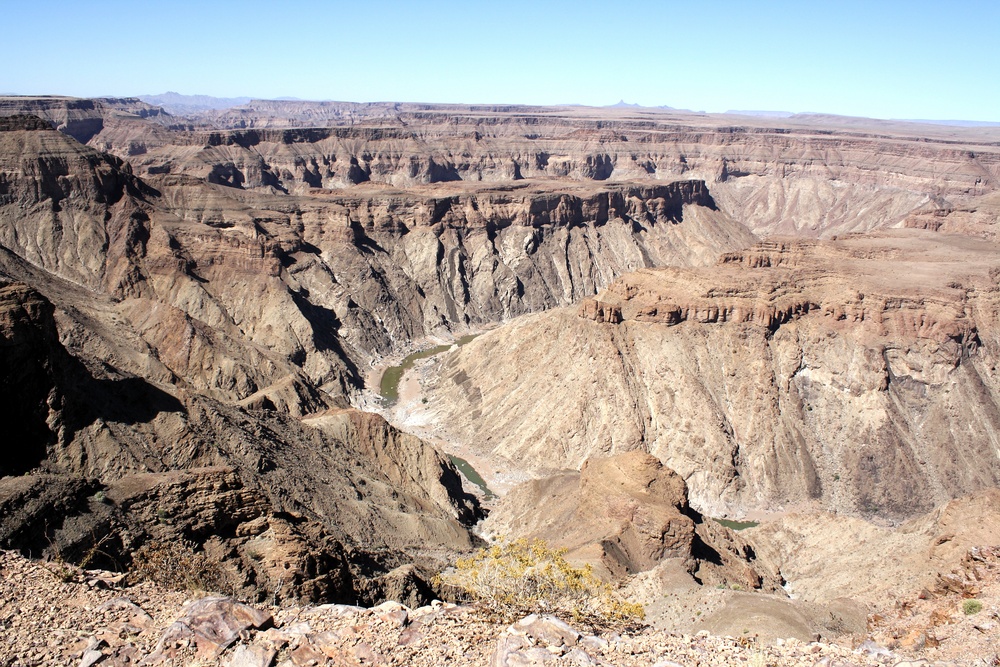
column 512, row 579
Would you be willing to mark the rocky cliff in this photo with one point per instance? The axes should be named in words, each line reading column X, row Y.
column 335, row 279
column 105, row 462
column 859, row 374
column 808, row 175
column 188, row 305
column 195, row 325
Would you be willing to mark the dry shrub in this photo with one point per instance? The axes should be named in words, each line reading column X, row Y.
column 510, row 580
column 176, row 565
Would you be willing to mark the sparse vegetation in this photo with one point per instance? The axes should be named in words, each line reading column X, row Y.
column 177, row 566
column 513, row 579
column 970, row 607
column 67, row 571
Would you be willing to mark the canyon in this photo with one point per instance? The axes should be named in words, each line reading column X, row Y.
column 683, row 316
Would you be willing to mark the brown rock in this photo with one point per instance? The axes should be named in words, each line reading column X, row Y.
column 627, row 513
column 757, row 378
column 213, row 624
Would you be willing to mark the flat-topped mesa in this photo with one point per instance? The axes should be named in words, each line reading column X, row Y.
column 537, row 206
column 79, row 118
column 776, row 282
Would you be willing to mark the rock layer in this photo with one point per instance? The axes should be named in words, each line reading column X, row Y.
column 108, row 463
column 844, row 372
column 811, row 175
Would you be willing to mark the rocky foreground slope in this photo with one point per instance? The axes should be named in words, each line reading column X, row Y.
column 85, row 618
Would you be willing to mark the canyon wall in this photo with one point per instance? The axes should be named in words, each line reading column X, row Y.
column 808, row 175
column 858, row 375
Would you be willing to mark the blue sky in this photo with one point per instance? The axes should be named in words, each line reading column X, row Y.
column 889, row 59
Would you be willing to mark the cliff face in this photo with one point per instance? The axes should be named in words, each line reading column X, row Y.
column 28, row 342
column 69, row 209
column 102, row 424
column 846, row 373
column 807, row 175
column 119, row 363
column 203, row 295
column 239, row 291
column 197, row 325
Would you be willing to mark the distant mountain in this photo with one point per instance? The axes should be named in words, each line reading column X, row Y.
column 958, row 123
column 178, row 104
column 760, row 114
column 622, row 104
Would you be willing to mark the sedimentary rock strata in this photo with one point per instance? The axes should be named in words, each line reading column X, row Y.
column 859, row 373
column 188, row 306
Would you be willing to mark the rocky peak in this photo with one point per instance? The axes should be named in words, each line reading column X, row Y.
column 626, row 514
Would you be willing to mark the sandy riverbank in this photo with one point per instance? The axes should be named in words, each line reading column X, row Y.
column 414, row 416
column 409, row 413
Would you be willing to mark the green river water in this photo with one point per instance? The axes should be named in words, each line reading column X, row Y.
column 389, row 390
column 737, row 525
column 389, row 384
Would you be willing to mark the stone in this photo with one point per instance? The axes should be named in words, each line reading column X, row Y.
column 250, row 656
column 91, row 657
column 869, row 647
column 579, row 657
column 138, row 615
column 547, row 630
column 411, row 635
column 213, row 624
column 339, row 610
column 306, row 654
column 593, row 643
column 507, row 650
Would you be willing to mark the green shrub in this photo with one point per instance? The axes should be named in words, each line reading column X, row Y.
column 510, row 580
column 970, row 607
